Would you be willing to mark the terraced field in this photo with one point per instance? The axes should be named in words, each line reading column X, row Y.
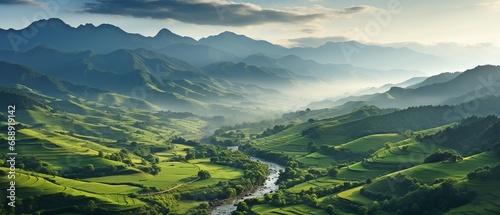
column 357, row 172
column 288, row 210
column 172, row 173
column 371, row 142
column 430, row 171
column 355, row 196
column 40, row 184
column 316, row 159
column 324, row 182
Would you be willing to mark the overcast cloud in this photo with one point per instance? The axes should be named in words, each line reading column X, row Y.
column 210, row 12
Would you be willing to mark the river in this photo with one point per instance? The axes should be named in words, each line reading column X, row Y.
column 268, row 187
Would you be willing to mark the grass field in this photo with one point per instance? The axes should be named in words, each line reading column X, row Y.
column 361, row 145
column 217, row 172
column 31, row 185
column 316, row 159
column 357, row 172
column 324, row 182
column 407, row 151
column 430, row 171
column 487, row 202
column 178, row 150
column 287, row 210
column 355, row 196
column 371, row 142
column 172, row 173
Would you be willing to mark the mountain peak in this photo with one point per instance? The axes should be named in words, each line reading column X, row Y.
column 292, row 57
column 52, row 22
column 350, row 42
column 110, row 27
column 164, row 32
column 229, row 33
column 87, row 25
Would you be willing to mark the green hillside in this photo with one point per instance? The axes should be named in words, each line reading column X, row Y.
column 385, row 172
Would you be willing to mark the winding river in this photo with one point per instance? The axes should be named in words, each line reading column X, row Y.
column 268, row 187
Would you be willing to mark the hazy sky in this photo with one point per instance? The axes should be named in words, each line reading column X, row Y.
column 285, row 22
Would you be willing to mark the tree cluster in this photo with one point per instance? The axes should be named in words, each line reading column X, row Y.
column 485, row 173
column 446, row 155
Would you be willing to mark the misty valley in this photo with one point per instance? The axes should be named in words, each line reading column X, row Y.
column 103, row 121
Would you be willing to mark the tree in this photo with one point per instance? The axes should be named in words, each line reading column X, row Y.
column 203, row 205
column 333, row 172
column 229, row 192
column 133, row 144
column 203, row 174
column 242, row 206
column 375, row 206
column 278, row 199
column 190, row 156
column 388, row 145
column 363, row 210
column 88, row 168
column 415, row 209
column 91, row 206
column 101, row 154
column 330, row 209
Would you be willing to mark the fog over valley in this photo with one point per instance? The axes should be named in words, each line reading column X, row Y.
column 249, row 107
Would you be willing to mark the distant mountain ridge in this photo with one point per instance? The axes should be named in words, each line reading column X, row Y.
column 442, row 89
column 102, row 39
column 226, row 46
column 27, row 77
column 162, row 80
column 327, row 72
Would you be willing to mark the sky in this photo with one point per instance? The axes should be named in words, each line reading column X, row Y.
column 466, row 23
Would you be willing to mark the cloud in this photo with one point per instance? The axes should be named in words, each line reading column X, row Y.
column 491, row 4
column 211, row 12
column 14, row 2
column 354, row 9
column 203, row 12
column 315, row 41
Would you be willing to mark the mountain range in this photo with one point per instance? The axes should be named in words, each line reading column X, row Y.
column 226, row 71
column 442, row 89
column 226, row 46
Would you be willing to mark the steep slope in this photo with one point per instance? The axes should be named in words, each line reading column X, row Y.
column 440, row 78
column 164, row 81
column 19, row 75
column 199, row 55
column 471, row 84
column 248, row 74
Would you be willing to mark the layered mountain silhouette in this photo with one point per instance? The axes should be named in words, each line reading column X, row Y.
column 142, row 74
column 226, row 46
column 25, row 78
column 224, row 70
column 445, row 88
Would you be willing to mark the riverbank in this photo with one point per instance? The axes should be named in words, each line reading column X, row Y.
column 269, row 186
